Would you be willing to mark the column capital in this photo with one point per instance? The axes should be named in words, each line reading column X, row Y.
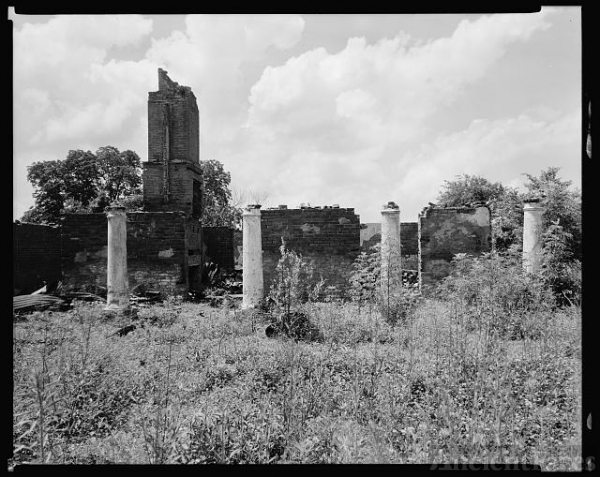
column 252, row 209
column 115, row 209
column 532, row 207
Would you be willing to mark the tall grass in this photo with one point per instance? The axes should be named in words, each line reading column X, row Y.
column 484, row 372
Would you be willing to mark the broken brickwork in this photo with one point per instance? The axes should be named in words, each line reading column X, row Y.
column 444, row 232
column 172, row 178
column 158, row 257
column 327, row 238
column 36, row 256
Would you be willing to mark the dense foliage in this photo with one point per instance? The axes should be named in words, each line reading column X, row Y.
column 562, row 229
column 217, row 209
column 83, row 182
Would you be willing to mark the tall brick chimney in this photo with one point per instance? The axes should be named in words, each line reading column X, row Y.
column 172, row 176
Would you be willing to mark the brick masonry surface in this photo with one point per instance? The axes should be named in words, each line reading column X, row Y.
column 177, row 105
column 158, row 251
column 184, row 188
column 36, row 256
column 328, row 239
column 174, row 140
column 444, row 232
column 218, row 246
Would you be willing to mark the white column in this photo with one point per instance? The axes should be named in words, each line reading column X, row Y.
column 252, row 274
column 117, row 297
column 391, row 271
column 532, row 235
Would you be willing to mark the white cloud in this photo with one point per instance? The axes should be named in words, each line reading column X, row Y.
column 406, row 83
column 360, row 112
column 210, row 56
column 61, row 93
column 324, row 128
column 500, row 150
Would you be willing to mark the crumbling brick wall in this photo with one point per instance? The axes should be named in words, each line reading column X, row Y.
column 158, row 255
column 219, row 248
column 370, row 234
column 327, row 238
column 36, row 256
column 444, row 232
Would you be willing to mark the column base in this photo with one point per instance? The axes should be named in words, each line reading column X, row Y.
column 117, row 308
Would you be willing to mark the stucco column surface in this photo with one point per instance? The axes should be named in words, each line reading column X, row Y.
column 532, row 236
column 391, row 270
column 117, row 284
column 252, row 274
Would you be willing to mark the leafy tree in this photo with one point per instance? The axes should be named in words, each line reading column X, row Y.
column 467, row 190
column 218, row 209
column 84, row 181
column 119, row 173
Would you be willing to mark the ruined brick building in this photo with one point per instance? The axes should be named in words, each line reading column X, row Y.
column 167, row 245
column 164, row 242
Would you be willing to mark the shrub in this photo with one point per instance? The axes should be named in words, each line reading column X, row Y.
column 365, row 283
column 293, row 283
column 295, row 325
column 291, row 287
column 493, row 291
column 560, row 272
column 365, row 276
column 400, row 307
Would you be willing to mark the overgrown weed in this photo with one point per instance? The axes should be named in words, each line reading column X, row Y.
column 453, row 383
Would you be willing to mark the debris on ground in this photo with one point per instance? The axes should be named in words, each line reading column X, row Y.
column 217, row 278
column 36, row 302
column 146, row 297
column 84, row 296
column 124, row 331
column 295, row 325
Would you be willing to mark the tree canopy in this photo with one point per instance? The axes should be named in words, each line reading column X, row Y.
column 467, row 190
column 84, row 181
column 217, row 206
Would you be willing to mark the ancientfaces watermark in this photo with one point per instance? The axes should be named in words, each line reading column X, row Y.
column 570, row 460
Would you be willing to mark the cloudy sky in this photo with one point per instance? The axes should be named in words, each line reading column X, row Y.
column 354, row 110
